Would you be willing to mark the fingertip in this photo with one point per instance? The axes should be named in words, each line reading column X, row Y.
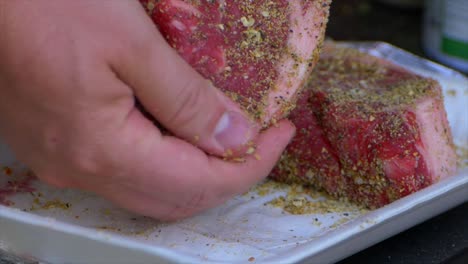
column 280, row 134
column 238, row 177
column 234, row 133
column 288, row 127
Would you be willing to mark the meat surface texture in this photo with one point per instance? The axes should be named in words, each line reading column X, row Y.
column 258, row 52
column 368, row 130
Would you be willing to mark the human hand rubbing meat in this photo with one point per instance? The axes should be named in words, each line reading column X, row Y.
column 69, row 75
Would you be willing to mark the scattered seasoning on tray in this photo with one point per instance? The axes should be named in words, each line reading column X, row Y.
column 316, row 222
column 106, row 211
column 301, row 200
column 267, row 187
column 56, row 204
column 18, row 181
column 462, row 152
column 452, row 92
column 51, row 204
column 340, row 222
column 109, row 228
column 299, row 205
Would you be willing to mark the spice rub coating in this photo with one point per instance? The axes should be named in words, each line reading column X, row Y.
column 368, row 130
column 258, row 52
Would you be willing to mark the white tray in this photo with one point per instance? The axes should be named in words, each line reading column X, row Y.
column 243, row 230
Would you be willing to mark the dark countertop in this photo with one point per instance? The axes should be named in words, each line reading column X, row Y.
column 443, row 239
column 368, row 20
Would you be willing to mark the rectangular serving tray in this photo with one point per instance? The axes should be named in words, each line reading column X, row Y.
column 244, row 230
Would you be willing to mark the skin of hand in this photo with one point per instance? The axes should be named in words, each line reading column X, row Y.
column 69, row 75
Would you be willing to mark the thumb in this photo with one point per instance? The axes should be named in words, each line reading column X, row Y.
column 183, row 101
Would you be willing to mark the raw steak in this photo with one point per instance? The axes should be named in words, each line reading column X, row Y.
column 258, row 52
column 368, row 130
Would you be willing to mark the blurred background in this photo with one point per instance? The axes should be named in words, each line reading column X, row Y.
column 437, row 29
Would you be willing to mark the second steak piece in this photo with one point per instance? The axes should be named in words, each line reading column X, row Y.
column 368, row 130
column 258, row 52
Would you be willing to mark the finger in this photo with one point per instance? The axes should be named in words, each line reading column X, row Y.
column 146, row 204
column 167, row 178
column 235, row 178
column 179, row 98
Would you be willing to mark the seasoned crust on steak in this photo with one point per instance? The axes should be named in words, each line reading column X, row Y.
column 368, row 130
column 258, row 52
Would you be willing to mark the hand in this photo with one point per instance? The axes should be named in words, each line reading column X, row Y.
column 69, row 73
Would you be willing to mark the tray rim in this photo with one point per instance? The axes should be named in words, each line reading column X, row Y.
column 312, row 250
column 453, row 190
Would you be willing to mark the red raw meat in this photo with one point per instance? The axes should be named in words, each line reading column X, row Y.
column 368, row 130
column 258, row 52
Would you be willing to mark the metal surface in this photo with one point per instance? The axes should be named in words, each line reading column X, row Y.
column 242, row 230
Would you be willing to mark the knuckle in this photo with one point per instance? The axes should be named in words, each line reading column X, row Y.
column 190, row 101
column 85, row 162
column 201, row 194
column 198, row 199
column 139, row 46
column 52, row 179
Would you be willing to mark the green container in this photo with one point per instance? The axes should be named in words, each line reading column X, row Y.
column 446, row 32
